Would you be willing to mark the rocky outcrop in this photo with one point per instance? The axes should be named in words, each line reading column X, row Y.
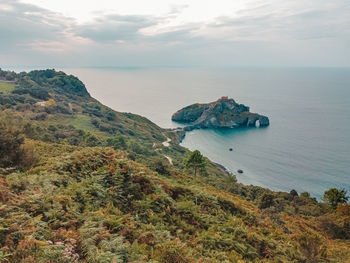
column 223, row 113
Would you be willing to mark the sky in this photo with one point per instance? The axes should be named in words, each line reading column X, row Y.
column 175, row 33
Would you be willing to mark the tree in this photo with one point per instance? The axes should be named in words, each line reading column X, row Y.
column 195, row 161
column 335, row 196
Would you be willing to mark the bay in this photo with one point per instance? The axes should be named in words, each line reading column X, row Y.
column 306, row 147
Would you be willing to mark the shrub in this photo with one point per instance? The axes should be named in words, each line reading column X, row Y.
column 305, row 195
column 343, row 209
column 312, row 248
column 266, row 200
column 117, row 142
column 293, row 193
column 13, row 149
column 28, row 156
column 110, row 116
column 160, row 165
column 11, row 139
column 334, row 197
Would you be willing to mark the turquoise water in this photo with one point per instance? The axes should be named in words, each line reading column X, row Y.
column 306, row 147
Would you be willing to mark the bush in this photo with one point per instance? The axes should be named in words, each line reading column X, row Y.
column 343, row 209
column 13, row 150
column 312, row 247
column 305, row 195
column 335, row 196
column 337, row 224
column 11, row 139
column 293, row 193
column 110, row 116
column 266, row 200
column 160, row 165
column 117, row 142
column 28, row 156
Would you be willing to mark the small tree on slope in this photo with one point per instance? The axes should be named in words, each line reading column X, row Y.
column 334, row 197
column 195, row 161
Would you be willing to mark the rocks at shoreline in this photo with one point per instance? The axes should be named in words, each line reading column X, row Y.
column 223, row 113
column 223, row 168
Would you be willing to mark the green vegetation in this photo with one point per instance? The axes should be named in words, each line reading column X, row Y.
column 10, row 145
column 196, row 161
column 13, row 150
column 6, row 88
column 334, row 196
column 80, row 182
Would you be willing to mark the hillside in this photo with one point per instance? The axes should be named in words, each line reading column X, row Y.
column 56, row 108
column 81, row 182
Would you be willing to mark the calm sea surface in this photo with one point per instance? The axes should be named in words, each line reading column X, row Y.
column 306, row 147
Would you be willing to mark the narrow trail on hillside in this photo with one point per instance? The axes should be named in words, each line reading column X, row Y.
column 167, row 142
column 169, row 159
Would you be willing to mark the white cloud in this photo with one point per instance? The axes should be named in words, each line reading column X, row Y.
column 182, row 32
column 5, row 7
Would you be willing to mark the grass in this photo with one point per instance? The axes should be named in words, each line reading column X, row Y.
column 6, row 88
column 79, row 121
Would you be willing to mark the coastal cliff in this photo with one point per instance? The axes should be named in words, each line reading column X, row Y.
column 80, row 182
column 223, row 113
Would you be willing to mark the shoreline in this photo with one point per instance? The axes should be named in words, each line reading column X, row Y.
column 225, row 170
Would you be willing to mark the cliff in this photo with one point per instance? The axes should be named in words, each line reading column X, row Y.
column 223, row 113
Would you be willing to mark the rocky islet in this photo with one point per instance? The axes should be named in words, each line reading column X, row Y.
column 223, row 113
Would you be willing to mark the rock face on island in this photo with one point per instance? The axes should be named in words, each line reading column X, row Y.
column 223, row 113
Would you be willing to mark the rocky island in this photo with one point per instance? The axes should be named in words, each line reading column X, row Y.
column 223, row 113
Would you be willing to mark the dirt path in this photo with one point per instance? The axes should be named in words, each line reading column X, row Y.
column 169, row 159
column 167, row 142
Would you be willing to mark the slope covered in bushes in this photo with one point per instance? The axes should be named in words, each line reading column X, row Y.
column 96, row 205
column 73, row 192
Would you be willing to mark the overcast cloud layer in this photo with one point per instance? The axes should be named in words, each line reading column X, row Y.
column 252, row 33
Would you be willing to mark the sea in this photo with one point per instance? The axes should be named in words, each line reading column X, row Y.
column 306, row 147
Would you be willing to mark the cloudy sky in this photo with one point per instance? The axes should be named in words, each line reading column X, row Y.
column 180, row 33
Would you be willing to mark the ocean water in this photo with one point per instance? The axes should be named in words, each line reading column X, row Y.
column 306, row 147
